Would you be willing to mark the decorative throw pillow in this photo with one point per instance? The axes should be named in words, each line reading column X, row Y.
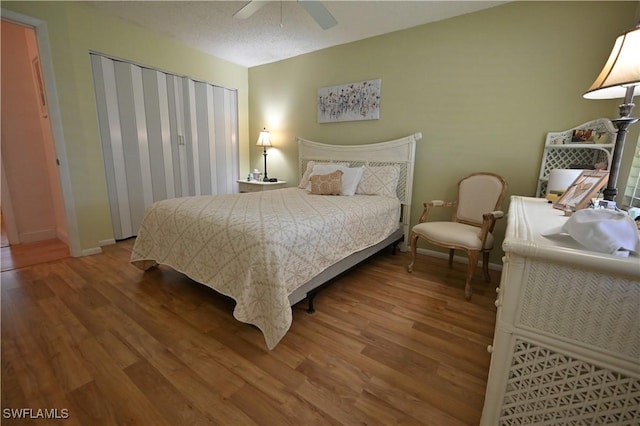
column 329, row 184
column 350, row 178
column 379, row 180
column 304, row 181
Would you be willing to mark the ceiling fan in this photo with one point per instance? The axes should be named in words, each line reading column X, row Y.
column 314, row 8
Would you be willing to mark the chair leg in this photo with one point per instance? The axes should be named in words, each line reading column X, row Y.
column 413, row 239
column 471, row 267
column 451, row 251
column 485, row 266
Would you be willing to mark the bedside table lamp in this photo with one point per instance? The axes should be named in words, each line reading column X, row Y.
column 620, row 78
column 264, row 141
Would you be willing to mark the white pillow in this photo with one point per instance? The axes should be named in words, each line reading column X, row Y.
column 350, row 176
column 379, row 180
column 350, row 179
column 304, row 180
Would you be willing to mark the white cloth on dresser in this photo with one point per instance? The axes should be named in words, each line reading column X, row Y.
column 601, row 230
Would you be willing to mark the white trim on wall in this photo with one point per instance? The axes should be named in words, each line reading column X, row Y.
column 459, row 259
column 44, row 51
column 42, row 235
column 8, row 217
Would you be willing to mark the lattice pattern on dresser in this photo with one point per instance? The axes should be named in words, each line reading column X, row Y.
column 549, row 388
column 583, row 306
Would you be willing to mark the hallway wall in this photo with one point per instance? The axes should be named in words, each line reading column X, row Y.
column 29, row 169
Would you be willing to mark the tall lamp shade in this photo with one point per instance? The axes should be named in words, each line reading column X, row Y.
column 620, row 78
column 264, row 141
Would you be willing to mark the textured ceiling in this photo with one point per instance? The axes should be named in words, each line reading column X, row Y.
column 210, row 27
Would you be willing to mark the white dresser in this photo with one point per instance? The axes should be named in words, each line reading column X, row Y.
column 566, row 348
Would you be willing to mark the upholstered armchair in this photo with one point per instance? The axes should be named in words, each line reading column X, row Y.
column 475, row 212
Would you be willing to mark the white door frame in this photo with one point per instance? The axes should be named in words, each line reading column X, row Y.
column 44, row 51
column 8, row 218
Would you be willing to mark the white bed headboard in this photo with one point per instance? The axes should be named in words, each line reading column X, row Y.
column 399, row 152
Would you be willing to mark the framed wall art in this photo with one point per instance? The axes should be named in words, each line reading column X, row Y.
column 349, row 102
column 582, row 190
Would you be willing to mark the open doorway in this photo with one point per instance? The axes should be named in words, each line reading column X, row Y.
column 33, row 213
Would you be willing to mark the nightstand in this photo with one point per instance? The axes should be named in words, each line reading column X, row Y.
column 257, row 186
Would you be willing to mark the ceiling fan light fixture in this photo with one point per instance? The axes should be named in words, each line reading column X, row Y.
column 249, row 9
column 314, row 8
column 319, row 13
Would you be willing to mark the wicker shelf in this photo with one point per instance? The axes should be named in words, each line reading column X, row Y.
column 561, row 153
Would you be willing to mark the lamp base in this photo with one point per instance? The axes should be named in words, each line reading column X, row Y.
column 622, row 124
column 609, row 194
column 265, row 179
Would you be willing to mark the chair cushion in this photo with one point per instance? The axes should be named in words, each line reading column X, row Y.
column 453, row 233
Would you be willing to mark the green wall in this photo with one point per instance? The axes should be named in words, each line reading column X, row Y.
column 483, row 88
column 74, row 29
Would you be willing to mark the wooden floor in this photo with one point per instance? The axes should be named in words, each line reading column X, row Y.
column 21, row 255
column 112, row 345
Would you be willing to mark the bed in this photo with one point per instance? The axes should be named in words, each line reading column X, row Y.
column 270, row 250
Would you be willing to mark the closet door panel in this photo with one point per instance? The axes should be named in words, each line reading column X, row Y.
column 211, row 139
column 201, row 145
column 131, row 176
column 191, row 134
column 110, row 136
column 222, row 159
column 163, row 136
column 226, row 139
column 177, row 138
column 143, row 136
column 154, row 126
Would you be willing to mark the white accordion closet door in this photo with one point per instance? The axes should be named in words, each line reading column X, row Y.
column 163, row 136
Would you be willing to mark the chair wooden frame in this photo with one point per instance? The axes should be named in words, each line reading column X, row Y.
column 486, row 227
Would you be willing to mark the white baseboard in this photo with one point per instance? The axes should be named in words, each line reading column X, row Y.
column 62, row 235
column 97, row 250
column 32, row 237
column 456, row 258
column 90, row 251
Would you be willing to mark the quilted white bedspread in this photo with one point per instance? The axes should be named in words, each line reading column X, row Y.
column 259, row 247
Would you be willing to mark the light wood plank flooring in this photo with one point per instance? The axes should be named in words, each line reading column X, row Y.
column 112, row 345
column 21, row 255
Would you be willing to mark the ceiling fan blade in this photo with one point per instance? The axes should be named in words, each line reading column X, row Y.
column 319, row 13
column 249, row 9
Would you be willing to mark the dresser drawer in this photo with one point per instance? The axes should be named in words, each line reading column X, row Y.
column 598, row 310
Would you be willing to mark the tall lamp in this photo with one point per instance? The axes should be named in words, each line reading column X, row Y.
column 264, row 141
column 620, row 78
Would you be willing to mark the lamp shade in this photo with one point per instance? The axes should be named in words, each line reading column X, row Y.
column 264, row 139
column 621, row 70
column 561, row 179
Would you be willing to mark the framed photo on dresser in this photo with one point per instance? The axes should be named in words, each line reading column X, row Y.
column 579, row 194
